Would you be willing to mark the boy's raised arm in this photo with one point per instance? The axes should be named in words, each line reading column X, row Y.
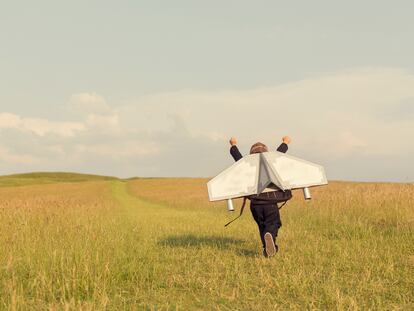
column 284, row 145
column 234, row 151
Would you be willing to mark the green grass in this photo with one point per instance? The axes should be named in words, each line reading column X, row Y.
column 158, row 244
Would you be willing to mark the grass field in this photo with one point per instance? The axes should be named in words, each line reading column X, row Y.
column 79, row 242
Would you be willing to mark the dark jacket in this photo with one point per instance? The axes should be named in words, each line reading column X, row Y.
column 234, row 151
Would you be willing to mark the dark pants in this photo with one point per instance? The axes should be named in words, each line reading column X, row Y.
column 267, row 217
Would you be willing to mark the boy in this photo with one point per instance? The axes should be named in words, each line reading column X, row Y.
column 264, row 206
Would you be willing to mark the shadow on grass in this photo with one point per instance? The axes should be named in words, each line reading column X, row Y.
column 190, row 240
column 247, row 252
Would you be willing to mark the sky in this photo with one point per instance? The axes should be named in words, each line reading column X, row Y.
column 157, row 88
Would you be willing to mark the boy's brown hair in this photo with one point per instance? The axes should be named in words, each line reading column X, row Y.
column 258, row 148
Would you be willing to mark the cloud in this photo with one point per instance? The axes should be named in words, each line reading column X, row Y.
column 89, row 103
column 39, row 127
column 316, row 112
column 346, row 121
column 100, row 121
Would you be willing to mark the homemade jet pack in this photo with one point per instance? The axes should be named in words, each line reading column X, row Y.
column 265, row 172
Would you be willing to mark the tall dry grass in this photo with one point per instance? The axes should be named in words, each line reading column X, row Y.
column 55, row 243
column 159, row 244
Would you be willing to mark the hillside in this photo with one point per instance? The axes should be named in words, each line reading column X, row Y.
column 48, row 178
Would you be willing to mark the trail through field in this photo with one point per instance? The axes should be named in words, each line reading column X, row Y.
column 187, row 229
column 132, row 206
column 186, row 259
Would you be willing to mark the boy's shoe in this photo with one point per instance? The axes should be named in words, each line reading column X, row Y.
column 270, row 246
column 264, row 251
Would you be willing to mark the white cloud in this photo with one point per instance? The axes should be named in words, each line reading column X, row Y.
column 314, row 111
column 39, row 127
column 9, row 120
column 346, row 121
column 94, row 120
column 90, row 103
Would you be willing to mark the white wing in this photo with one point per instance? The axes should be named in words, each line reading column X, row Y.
column 239, row 180
column 288, row 172
column 264, row 172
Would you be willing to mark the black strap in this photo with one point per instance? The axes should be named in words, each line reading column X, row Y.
column 280, row 207
column 242, row 209
column 241, row 212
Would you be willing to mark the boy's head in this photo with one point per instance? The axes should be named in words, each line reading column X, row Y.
column 258, row 148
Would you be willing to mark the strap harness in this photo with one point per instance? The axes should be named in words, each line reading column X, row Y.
column 242, row 209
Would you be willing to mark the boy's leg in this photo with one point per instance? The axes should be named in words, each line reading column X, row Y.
column 257, row 213
column 272, row 221
column 272, row 225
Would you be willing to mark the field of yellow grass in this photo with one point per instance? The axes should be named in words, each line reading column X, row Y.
column 73, row 242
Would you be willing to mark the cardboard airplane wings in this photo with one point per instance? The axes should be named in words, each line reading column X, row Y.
column 264, row 172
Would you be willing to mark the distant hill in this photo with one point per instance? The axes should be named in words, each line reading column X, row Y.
column 48, row 178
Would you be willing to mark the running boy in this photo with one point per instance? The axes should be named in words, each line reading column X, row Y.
column 264, row 206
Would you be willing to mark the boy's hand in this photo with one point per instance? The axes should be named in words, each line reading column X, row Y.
column 286, row 140
column 233, row 141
